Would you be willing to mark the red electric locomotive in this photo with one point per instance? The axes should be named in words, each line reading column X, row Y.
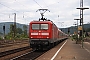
column 44, row 34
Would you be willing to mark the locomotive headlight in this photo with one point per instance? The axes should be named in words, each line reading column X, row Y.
column 31, row 37
column 47, row 37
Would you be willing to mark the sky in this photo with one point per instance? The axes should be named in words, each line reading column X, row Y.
column 62, row 12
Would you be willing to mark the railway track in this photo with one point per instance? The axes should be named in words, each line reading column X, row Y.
column 20, row 54
column 2, row 54
column 11, row 43
column 29, row 56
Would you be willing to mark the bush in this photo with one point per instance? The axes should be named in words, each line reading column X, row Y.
column 75, row 37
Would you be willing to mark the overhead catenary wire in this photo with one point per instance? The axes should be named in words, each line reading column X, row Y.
column 41, row 6
column 47, row 7
column 37, row 3
column 22, row 5
column 11, row 9
column 26, row 6
column 8, row 7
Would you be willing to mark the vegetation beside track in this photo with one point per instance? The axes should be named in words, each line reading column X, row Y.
column 19, row 33
column 75, row 37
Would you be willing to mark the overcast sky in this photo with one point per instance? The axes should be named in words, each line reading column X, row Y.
column 62, row 12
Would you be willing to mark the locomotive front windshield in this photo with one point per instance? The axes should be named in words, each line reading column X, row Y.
column 39, row 26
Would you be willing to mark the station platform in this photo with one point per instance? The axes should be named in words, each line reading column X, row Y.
column 73, row 51
column 68, row 51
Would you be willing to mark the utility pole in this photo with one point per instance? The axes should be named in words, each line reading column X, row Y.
column 81, row 19
column 14, row 25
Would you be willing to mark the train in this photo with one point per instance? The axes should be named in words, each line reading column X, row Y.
column 44, row 34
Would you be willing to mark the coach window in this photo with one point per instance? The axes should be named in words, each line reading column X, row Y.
column 35, row 26
column 44, row 26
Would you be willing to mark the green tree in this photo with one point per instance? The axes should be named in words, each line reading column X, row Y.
column 11, row 28
column 19, row 34
column 25, row 30
column 19, row 31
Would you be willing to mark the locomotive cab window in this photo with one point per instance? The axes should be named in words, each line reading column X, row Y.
column 35, row 26
column 44, row 26
column 39, row 26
